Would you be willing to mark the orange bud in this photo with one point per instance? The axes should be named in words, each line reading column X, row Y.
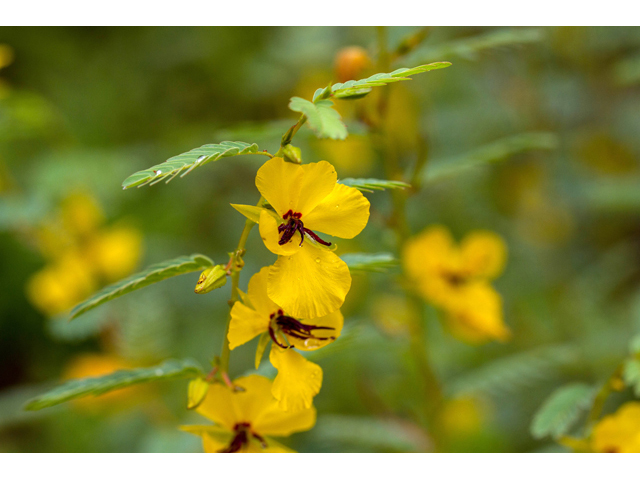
column 351, row 62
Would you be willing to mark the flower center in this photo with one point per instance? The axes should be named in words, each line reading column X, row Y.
column 293, row 328
column 293, row 225
column 242, row 438
column 455, row 279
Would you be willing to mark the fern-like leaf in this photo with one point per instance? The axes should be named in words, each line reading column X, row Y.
column 186, row 162
column 358, row 88
column 369, row 262
column 83, row 387
column 153, row 274
column 561, row 410
column 371, row 184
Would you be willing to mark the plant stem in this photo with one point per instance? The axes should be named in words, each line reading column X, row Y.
column 287, row 137
column 236, row 267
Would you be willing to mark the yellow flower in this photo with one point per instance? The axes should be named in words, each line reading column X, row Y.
column 457, row 279
column 115, row 252
column 59, row 286
column 298, row 380
column 245, row 420
column 308, row 280
column 620, row 432
column 81, row 214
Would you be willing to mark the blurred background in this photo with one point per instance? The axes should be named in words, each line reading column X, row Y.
column 532, row 133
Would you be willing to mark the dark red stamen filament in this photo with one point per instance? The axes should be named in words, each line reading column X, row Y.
column 289, row 229
column 241, row 438
column 295, row 328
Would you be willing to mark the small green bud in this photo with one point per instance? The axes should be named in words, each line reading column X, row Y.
column 198, row 389
column 212, row 278
column 292, row 154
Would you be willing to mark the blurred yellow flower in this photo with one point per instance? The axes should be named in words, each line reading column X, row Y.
column 82, row 255
column 457, row 279
column 115, row 252
column 298, row 380
column 307, row 280
column 619, row 432
column 352, row 156
column 245, row 420
column 461, row 416
column 61, row 285
column 80, row 214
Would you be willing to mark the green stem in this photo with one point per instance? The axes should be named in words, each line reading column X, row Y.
column 236, row 267
column 602, row 396
column 287, row 137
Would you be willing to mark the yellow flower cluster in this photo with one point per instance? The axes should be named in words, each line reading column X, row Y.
column 82, row 255
column 294, row 303
column 619, row 432
column 457, row 279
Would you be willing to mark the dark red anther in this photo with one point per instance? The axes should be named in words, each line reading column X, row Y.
column 294, row 224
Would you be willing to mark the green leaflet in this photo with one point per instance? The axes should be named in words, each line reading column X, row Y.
column 321, row 117
column 494, row 152
column 369, row 433
column 631, row 374
column 470, row 47
column 370, row 184
column 359, row 88
column 369, row 262
column 561, row 410
column 83, row 387
column 515, row 373
column 153, row 274
column 185, row 162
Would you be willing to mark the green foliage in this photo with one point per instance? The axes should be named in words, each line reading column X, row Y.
column 321, row 117
column 561, row 410
column 153, row 274
column 369, row 262
column 170, row 369
column 631, row 374
column 358, row 88
column 497, row 151
column 370, row 184
column 369, row 433
column 470, row 47
column 185, row 162
column 515, row 373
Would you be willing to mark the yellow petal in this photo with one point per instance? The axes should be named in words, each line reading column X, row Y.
column 227, row 408
column 312, row 283
column 279, row 182
column 214, row 438
column 245, row 325
column 476, row 314
column 257, row 293
column 343, row 213
column 619, row 432
column 276, row 447
column 318, row 181
column 483, row 254
column 425, row 253
column 298, row 379
column 270, row 236
column 334, row 320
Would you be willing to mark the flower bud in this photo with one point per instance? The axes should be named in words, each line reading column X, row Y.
column 198, row 389
column 351, row 62
column 212, row 278
column 292, row 154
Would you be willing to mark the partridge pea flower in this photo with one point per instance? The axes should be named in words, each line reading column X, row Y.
column 245, row 420
column 298, row 379
column 308, row 280
column 620, row 432
column 457, row 279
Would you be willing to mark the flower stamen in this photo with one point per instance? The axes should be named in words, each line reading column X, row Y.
column 241, row 438
column 295, row 224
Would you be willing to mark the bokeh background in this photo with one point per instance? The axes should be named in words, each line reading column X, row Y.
column 532, row 133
